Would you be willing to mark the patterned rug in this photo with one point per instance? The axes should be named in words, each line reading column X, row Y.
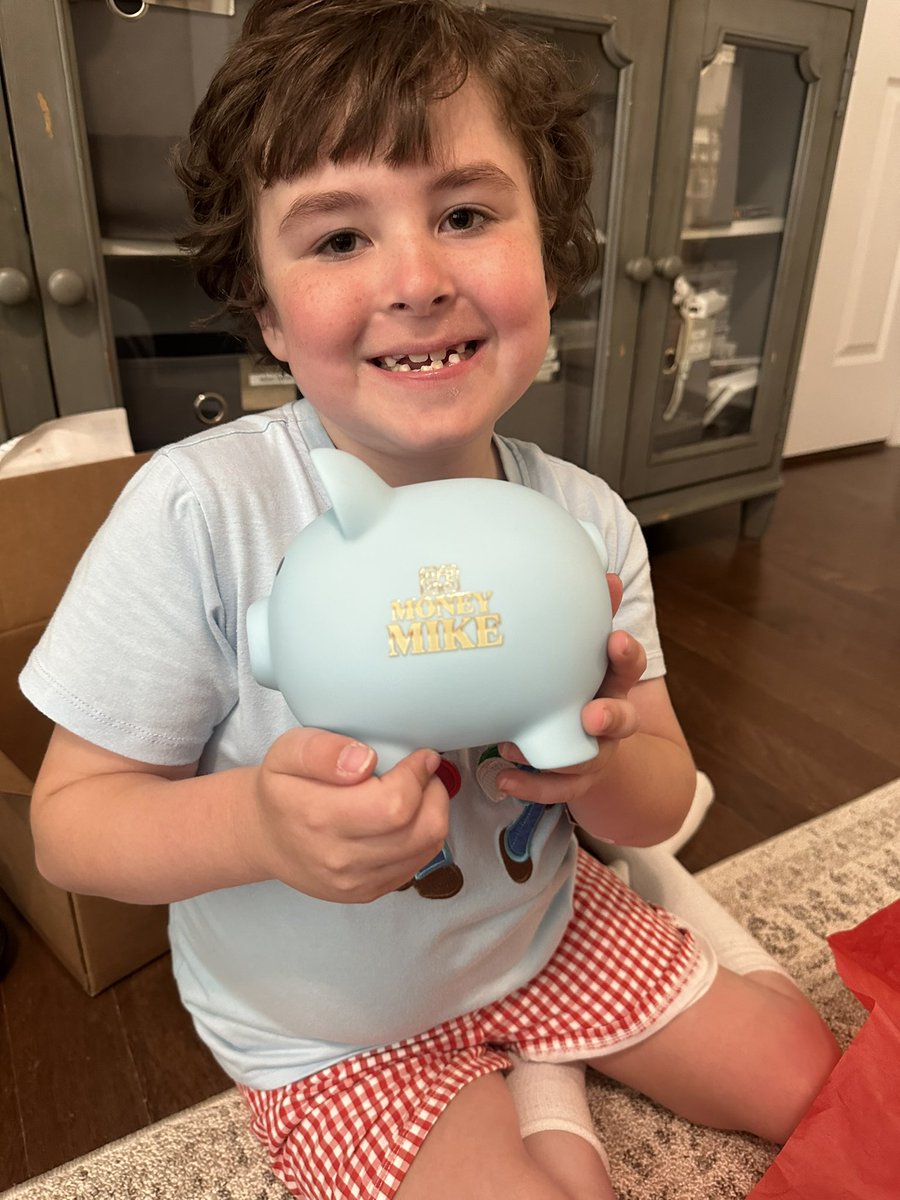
column 792, row 891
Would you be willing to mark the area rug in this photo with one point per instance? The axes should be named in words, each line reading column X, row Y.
column 791, row 892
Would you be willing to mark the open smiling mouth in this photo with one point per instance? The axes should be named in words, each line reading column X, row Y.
column 434, row 360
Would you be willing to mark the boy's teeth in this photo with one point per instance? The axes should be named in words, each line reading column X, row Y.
column 434, row 360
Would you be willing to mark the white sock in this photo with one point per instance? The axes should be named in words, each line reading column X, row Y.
column 703, row 798
column 552, row 1096
column 659, row 877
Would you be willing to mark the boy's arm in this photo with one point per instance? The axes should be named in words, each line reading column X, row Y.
column 311, row 814
column 640, row 794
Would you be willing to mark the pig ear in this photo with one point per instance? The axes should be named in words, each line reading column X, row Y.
column 358, row 495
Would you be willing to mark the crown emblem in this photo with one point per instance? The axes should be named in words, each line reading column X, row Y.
column 440, row 580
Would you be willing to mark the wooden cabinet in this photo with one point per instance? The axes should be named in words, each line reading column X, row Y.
column 715, row 123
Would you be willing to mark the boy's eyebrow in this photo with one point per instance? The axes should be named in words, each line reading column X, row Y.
column 476, row 172
column 317, row 203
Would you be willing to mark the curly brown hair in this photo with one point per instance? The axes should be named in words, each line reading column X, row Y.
column 341, row 80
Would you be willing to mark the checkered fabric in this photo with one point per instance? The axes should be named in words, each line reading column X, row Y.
column 353, row 1130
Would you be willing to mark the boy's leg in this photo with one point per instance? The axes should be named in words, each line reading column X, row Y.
column 475, row 1150
column 750, row 1054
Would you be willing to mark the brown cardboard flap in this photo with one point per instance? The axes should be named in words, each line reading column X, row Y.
column 25, row 731
column 46, row 908
column 115, row 939
column 46, row 521
column 12, row 780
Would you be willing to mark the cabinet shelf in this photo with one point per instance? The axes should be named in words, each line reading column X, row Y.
column 752, row 227
column 139, row 248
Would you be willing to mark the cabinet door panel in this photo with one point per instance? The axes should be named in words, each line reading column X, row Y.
column 59, row 202
column 577, row 408
column 742, row 156
column 26, row 392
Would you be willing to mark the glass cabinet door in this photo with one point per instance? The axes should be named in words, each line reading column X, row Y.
column 142, row 71
column 747, row 153
column 617, row 59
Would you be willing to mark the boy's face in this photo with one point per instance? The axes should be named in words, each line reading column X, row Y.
column 367, row 265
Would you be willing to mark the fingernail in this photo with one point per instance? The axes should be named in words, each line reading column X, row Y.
column 354, row 758
column 432, row 761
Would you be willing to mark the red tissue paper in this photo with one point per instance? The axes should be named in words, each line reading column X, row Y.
column 847, row 1147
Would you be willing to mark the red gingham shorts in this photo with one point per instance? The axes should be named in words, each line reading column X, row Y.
column 353, row 1129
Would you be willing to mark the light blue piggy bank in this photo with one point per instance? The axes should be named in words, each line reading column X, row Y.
column 447, row 614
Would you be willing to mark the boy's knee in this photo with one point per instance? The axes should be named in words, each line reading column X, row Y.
column 811, row 1057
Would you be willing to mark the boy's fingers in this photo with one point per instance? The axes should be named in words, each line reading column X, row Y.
column 627, row 662
column 419, row 766
column 323, row 756
column 616, row 590
column 610, row 719
column 398, row 803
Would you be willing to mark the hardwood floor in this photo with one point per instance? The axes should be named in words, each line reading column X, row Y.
column 784, row 660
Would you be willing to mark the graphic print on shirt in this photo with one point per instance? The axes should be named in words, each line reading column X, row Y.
column 514, row 843
column 441, row 878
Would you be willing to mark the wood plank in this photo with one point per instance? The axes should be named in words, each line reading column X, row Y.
column 787, row 667
column 76, row 1083
column 13, row 1163
column 174, row 1067
column 796, row 754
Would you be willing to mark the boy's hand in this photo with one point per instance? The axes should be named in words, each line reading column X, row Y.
column 610, row 717
column 325, row 825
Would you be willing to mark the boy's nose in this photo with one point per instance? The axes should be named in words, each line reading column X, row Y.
column 419, row 281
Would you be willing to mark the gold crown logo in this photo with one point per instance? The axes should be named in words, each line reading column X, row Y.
column 440, row 580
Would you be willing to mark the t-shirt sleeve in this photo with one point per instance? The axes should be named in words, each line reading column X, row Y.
column 138, row 658
column 637, row 612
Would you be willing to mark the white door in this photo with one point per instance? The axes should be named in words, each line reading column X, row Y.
column 848, row 383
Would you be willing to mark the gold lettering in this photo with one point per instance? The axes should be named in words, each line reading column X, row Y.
column 483, row 599
column 425, row 607
column 455, row 636
column 433, row 637
column 402, row 610
column 401, row 643
column 487, row 629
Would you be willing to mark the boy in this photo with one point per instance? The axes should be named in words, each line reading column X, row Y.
column 393, row 191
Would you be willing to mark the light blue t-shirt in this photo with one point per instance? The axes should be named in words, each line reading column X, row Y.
column 147, row 656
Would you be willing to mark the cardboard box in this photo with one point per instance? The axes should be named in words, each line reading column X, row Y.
column 46, row 521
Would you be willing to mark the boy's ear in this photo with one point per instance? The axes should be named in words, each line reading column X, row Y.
column 272, row 335
column 552, row 293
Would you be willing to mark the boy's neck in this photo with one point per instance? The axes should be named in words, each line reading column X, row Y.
column 481, row 461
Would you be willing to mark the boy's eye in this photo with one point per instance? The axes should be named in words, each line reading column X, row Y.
column 462, row 219
column 343, row 242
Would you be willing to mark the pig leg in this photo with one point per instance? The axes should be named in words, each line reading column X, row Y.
column 557, row 741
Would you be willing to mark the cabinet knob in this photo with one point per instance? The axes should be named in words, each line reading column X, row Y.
column 14, row 287
column 211, row 408
column 669, row 267
column 639, row 269
column 66, row 287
